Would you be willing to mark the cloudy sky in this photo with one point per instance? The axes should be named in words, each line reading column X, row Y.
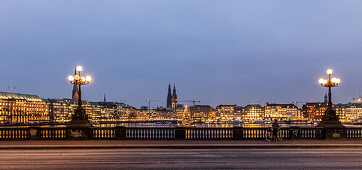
column 216, row 51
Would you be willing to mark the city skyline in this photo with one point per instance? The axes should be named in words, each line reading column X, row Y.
column 180, row 84
column 169, row 101
column 217, row 52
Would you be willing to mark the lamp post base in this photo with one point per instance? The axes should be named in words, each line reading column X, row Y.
column 333, row 128
column 80, row 118
column 79, row 126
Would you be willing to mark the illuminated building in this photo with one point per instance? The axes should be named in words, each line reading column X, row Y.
column 253, row 113
column 226, row 112
column 144, row 114
column 180, row 111
column 202, row 113
column 314, row 111
column 238, row 113
column 162, row 114
column 281, row 111
column 140, row 115
column 18, row 108
column 349, row 112
column 62, row 109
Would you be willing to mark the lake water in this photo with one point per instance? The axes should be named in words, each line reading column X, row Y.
column 249, row 125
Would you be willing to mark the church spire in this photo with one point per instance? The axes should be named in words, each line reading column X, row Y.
column 325, row 98
column 169, row 97
column 174, row 99
column 104, row 99
column 174, row 95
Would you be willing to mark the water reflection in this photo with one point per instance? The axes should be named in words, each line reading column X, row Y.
column 248, row 125
column 171, row 125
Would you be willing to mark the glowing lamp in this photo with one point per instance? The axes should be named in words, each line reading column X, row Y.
column 79, row 68
column 321, row 81
column 88, row 79
column 71, row 78
column 329, row 71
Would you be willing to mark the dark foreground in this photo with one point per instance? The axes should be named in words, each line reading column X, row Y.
column 182, row 158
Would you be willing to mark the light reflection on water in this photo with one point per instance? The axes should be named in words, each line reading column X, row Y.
column 251, row 125
column 171, row 125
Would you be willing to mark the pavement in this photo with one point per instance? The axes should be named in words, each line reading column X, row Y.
column 142, row 158
column 178, row 144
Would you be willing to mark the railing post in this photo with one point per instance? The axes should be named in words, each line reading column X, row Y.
column 34, row 133
column 238, row 133
column 180, row 133
column 294, row 132
column 120, row 133
column 334, row 133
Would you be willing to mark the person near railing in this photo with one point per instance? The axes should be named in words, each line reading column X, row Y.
column 275, row 127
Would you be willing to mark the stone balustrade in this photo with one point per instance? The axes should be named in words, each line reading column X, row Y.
column 167, row 133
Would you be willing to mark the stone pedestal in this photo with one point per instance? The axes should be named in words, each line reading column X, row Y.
column 333, row 128
column 120, row 133
column 180, row 133
column 79, row 126
column 238, row 133
column 34, row 133
column 78, row 133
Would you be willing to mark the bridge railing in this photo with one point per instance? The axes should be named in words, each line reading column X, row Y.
column 150, row 133
column 167, row 133
column 103, row 133
column 51, row 133
column 14, row 133
column 209, row 133
column 355, row 133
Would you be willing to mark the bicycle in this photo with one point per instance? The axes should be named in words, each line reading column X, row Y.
column 270, row 137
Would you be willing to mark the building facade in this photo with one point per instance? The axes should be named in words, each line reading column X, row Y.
column 281, row 112
column 226, row 112
column 254, row 112
column 314, row 111
column 16, row 108
column 202, row 113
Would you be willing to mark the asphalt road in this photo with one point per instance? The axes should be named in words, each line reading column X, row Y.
column 182, row 159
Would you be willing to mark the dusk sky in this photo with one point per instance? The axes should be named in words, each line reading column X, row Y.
column 216, row 51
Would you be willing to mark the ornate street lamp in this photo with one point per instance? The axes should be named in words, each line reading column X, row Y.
column 330, row 118
column 331, row 82
column 79, row 118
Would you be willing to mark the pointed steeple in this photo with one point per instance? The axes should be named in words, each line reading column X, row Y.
column 104, row 99
column 325, row 98
column 169, row 97
column 174, row 95
column 75, row 92
column 174, row 99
